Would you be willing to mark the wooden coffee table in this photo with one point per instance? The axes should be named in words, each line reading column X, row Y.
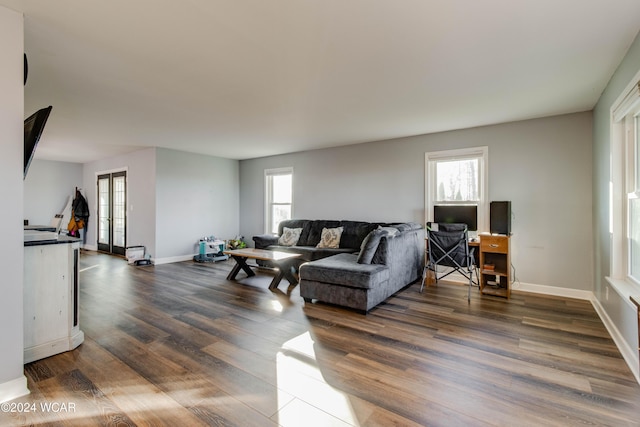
column 286, row 263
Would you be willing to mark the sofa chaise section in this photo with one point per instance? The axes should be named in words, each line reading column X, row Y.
column 360, row 282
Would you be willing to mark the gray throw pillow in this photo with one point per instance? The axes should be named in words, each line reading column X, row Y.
column 370, row 245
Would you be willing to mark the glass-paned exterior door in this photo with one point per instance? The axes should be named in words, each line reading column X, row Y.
column 112, row 210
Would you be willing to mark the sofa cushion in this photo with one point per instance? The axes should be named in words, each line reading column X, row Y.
column 264, row 240
column 342, row 269
column 354, row 233
column 330, row 238
column 312, row 231
column 381, row 256
column 370, row 245
column 292, row 223
column 290, row 236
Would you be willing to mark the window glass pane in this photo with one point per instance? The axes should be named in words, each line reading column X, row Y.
column 457, row 180
column 119, row 210
column 634, row 238
column 279, row 213
column 103, row 214
column 281, row 187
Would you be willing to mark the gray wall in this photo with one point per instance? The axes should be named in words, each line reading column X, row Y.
column 141, row 196
column 617, row 308
column 196, row 196
column 47, row 188
column 174, row 198
column 543, row 166
column 12, row 380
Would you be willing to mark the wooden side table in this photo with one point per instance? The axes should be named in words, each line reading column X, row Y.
column 495, row 265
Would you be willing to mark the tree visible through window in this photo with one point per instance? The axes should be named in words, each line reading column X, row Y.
column 458, row 180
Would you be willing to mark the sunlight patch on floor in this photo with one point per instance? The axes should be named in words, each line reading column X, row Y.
column 277, row 306
column 89, row 268
column 299, row 375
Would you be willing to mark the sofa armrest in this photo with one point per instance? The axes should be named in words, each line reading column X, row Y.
column 263, row 241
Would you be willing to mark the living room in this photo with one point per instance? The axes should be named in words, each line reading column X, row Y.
column 555, row 171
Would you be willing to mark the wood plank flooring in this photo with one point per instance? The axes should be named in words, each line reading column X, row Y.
column 179, row 345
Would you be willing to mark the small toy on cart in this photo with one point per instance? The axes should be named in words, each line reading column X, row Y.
column 210, row 250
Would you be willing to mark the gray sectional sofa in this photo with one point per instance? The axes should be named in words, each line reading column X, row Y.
column 372, row 262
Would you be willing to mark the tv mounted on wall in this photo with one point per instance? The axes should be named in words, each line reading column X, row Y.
column 33, row 126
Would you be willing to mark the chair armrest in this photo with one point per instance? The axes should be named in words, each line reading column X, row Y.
column 263, row 241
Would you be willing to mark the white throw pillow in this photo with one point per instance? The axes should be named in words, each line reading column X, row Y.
column 330, row 238
column 289, row 236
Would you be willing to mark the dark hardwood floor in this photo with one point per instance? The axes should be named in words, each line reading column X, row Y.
column 179, row 345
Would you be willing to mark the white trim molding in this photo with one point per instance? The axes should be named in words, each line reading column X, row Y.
column 481, row 153
column 13, row 389
column 554, row 291
column 630, row 355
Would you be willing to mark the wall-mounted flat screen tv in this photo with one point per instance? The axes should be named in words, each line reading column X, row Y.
column 33, row 126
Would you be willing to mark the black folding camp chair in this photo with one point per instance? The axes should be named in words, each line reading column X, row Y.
column 448, row 246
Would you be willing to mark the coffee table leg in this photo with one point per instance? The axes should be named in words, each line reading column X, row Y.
column 241, row 263
column 284, row 271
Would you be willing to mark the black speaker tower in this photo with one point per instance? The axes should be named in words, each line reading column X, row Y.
column 500, row 217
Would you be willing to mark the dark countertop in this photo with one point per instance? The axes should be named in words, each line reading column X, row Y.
column 62, row 239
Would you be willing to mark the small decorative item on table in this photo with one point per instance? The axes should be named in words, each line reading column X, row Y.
column 236, row 243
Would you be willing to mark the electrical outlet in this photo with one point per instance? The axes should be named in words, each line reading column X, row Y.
column 606, row 293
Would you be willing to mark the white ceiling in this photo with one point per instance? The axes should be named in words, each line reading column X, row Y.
column 251, row 78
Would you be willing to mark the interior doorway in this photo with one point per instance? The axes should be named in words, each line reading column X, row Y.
column 112, row 212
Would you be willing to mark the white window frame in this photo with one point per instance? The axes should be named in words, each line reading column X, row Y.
column 432, row 158
column 624, row 185
column 268, row 174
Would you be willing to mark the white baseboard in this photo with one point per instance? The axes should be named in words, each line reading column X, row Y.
column 630, row 355
column 553, row 291
column 75, row 338
column 13, row 389
column 156, row 261
column 169, row 260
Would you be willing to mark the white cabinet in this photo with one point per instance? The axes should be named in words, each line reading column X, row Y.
column 51, row 287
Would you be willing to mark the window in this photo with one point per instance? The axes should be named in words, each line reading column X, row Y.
column 457, row 177
column 625, row 185
column 279, row 197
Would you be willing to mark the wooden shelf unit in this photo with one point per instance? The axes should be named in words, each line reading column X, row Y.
column 495, row 250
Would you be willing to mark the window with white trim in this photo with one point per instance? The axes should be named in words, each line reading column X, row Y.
column 278, row 197
column 625, row 185
column 457, row 177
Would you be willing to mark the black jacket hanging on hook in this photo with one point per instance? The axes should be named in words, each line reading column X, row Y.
column 79, row 215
